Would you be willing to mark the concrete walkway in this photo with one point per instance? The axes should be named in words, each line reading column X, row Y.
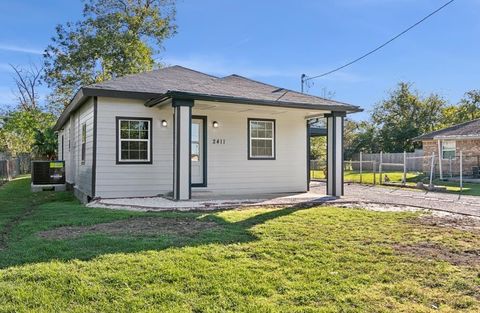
column 354, row 193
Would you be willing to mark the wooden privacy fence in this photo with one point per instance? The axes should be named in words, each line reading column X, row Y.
column 12, row 167
column 414, row 161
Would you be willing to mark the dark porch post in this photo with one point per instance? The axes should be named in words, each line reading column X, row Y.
column 335, row 125
column 182, row 132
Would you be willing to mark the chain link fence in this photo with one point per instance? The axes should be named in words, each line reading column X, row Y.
column 460, row 173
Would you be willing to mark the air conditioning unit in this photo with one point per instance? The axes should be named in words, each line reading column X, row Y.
column 48, row 175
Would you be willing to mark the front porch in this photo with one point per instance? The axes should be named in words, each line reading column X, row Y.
column 205, row 201
column 212, row 149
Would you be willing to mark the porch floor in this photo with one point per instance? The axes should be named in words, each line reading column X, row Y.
column 203, row 201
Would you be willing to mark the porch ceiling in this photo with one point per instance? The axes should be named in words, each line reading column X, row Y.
column 239, row 108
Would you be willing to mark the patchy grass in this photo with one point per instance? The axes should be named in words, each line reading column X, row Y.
column 370, row 177
column 320, row 259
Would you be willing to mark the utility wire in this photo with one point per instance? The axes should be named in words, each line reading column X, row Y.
column 307, row 78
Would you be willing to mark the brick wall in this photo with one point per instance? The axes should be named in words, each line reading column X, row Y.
column 471, row 156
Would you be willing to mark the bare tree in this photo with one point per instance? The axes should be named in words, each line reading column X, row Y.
column 27, row 79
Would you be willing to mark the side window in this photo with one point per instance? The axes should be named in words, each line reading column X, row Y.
column 448, row 149
column 261, row 142
column 134, row 140
column 84, row 141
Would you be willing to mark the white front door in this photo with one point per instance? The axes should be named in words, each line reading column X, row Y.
column 198, row 153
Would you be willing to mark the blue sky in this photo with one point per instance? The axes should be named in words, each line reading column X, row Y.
column 275, row 41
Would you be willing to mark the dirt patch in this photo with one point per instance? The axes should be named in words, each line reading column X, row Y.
column 459, row 222
column 372, row 206
column 437, row 252
column 149, row 226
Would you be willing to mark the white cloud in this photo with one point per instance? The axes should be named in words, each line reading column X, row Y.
column 14, row 48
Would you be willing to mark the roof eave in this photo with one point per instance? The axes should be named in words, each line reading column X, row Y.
column 228, row 99
column 84, row 93
column 154, row 98
column 77, row 100
column 456, row 137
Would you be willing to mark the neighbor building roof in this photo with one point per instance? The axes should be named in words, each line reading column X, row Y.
column 177, row 81
column 467, row 130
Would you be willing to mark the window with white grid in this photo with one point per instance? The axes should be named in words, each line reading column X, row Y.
column 261, row 139
column 134, row 140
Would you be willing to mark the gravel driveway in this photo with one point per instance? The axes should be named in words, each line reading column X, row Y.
column 469, row 205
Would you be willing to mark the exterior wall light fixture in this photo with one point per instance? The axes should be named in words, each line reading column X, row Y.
column 215, row 124
column 164, row 123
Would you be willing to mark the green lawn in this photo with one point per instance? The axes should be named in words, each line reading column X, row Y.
column 321, row 259
column 412, row 178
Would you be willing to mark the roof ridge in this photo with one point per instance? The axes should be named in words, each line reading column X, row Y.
column 456, row 125
column 192, row 70
column 446, row 129
column 286, row 89
column 150, row 72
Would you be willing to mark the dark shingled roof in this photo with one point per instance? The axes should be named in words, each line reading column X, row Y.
column 178, row 81
column 157, row 81
column 466, row 130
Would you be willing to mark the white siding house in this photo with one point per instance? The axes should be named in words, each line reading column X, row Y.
column 179, row 133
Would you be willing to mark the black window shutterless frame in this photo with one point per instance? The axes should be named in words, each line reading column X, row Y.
column 150, row 141
column 274, row 139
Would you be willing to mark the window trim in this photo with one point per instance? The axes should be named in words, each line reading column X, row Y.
column 150, row 141
column 205, row 153
column 63, row 151
column 274, row 139
column 83, row 145
column 454, row 148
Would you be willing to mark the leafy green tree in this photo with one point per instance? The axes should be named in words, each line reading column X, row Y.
column 45, row 143
column 114, row 38
column 360, row 136
column 318, row 148
column 19, row 127
column 466, row 110
column 405, row 115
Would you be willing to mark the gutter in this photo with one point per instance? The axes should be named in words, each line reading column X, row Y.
column 153, row 99
column 466, row 137
column 84, row 93
column 228, row 99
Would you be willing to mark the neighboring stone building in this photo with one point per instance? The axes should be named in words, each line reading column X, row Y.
column 448, row 142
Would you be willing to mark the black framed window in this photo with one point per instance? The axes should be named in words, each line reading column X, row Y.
column 134, row 143
column 63, row 156
column 261, row 139
column 84, row 142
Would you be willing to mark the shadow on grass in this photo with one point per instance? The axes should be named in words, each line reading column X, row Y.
column 23, row 215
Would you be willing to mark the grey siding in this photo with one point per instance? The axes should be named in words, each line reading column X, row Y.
column 230, row 171
column 129, row 180
column 83, row 172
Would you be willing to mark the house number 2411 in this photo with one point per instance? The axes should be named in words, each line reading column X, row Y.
column 218, row 141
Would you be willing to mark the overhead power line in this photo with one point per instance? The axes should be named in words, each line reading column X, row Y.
column 305, row 78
